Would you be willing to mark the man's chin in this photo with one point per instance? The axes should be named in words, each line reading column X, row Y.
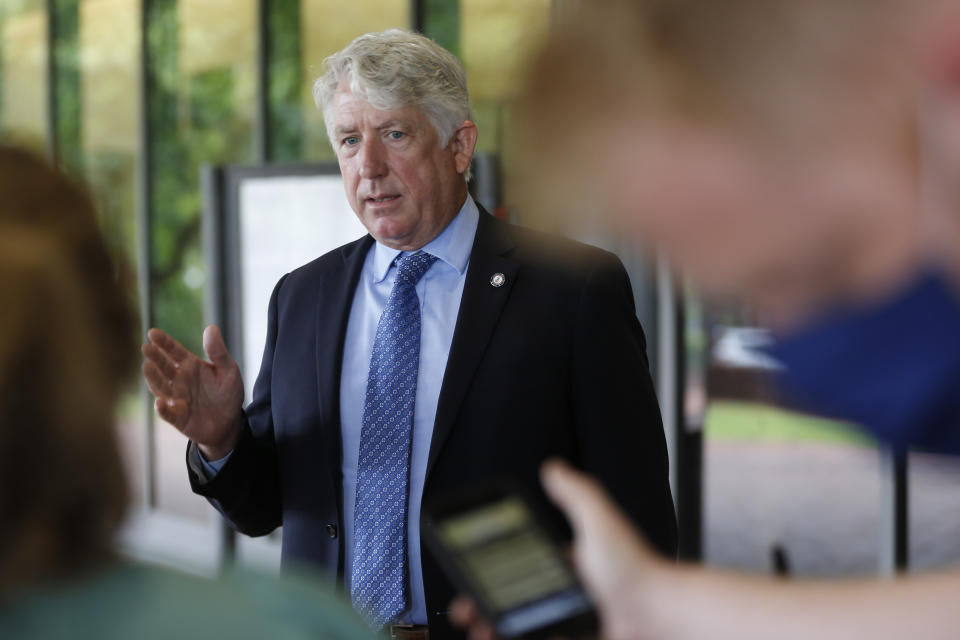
column 393, row 233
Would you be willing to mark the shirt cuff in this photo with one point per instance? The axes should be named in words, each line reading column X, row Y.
column 212, row 468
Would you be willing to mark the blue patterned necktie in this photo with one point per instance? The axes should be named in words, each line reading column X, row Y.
column 379, row 581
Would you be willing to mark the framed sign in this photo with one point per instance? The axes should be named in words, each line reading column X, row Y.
column 261, row 223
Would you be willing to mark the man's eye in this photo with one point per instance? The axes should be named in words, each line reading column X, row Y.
column 396, row 135
column 351, row 140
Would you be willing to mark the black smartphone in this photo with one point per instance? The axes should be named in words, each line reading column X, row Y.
column 493, row 547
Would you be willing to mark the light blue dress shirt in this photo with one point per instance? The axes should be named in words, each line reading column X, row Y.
column 439, row 291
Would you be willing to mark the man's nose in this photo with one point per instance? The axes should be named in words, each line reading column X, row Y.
column 372, row 158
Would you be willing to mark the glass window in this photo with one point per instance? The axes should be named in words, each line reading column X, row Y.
column 23, row 72
column 202, row 105
column 301, row 34
column 496, row 38
column 492, row 38
column 107, row 63
column 782, row 490
column 326, row 27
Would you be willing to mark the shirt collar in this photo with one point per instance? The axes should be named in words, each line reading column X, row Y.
column 452, row 246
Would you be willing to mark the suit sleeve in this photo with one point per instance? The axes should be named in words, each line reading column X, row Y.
column 620, row 432
column 246, row 490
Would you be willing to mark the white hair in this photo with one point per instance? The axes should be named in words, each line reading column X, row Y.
column 394, row 69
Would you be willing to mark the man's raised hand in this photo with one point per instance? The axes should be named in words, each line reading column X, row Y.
column 201, row 399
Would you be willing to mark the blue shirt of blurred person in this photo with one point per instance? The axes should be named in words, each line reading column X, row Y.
column 892, row 366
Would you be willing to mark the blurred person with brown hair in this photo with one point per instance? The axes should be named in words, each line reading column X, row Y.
column 802, row 157
column 68, row 347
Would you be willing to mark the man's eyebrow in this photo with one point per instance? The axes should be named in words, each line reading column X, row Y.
column 344, row 129
column 392, row 123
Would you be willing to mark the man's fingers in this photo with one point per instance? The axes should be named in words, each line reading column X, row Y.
column 173, row 411
column 155, row 355
column 482, row 631
column 176, row 351
column 464, row 614
column 158, row 383
column 215, row 347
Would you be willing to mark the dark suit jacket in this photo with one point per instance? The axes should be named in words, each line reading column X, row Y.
column 551, row 363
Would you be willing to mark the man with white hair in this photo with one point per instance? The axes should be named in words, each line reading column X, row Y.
column 445, row 349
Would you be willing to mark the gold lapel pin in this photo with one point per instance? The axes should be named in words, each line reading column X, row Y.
column 497, row 280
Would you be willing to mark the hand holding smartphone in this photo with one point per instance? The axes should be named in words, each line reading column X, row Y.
column 492, row 546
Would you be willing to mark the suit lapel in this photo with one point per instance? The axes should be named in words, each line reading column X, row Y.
column 335, row 298
column 480, row 310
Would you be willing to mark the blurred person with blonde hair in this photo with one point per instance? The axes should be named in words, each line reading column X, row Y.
column 802, row 157
column 68, row 347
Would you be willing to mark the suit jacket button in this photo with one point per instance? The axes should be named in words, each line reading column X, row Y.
column 332, row 530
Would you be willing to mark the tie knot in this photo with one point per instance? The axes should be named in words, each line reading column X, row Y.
column 411, row 267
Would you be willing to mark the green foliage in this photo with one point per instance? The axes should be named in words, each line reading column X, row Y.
column 488, row 115
column 110, row 177
column 192, row 120
column 732, row 420
column 175, row 226
column 286, row 109
column 12, row 7
column 192, row 123
column 66, row 87
column 442, row 23
column 31, row 139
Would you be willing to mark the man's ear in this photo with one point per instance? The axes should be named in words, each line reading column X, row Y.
column 462, row 143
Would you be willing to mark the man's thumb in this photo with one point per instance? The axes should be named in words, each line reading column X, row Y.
column 215, row 348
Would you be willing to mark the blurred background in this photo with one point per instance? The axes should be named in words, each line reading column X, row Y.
column 136, row 97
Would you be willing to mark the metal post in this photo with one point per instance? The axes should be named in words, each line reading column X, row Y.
column 52, row 142
column 2, row 19
column 666, row 370
column 418, row 15
column 895, row 514
column 684, row 445
column 262, row 126
column 212, row 187
column 144, row 213
column 901, row 512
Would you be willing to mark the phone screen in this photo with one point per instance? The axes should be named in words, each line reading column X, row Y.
column 514, row 567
